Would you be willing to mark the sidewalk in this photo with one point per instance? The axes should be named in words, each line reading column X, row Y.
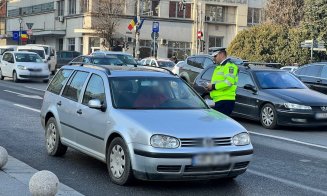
column 15, row 176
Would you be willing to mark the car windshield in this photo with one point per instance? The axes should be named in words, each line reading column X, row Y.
column 153, row 93
column 278, row 80
column 126, row 59
column 21, row 57
column 107, row 61
column 39, row 52
column 165, row 64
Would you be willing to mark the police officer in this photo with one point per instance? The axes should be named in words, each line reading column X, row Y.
column 223, row 83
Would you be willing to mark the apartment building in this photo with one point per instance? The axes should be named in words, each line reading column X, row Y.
column 67, row 24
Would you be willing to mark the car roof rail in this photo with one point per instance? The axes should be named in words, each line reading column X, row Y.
column 99, row 67
column 250, row 65
column 161, row 68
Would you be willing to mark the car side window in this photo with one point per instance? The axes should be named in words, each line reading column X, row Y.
column 86, row 60
column 78, row 59
column 207, row 62
column 313, row 71
column 147, row 62
column 191, row 61
column 208, row 74
column 59, row 81
column 5, row 57
column 10, row 58
column 153, row 63
column 324, row 72
column 73, row 89
column 244, row 79
column 94, row 90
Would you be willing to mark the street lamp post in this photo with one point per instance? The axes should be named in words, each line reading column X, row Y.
column 20, row 31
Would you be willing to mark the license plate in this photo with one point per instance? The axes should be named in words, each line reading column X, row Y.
column 211, row 159
column 321, row 116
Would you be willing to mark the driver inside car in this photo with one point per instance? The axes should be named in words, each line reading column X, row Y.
column 150, row 97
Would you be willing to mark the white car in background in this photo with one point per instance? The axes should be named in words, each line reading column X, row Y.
column 290, row 68
column 21, row 65
column 162, row 63
column 175, row 70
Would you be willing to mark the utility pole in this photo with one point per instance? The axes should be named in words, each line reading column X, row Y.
column 20, row 31
column 137, row 32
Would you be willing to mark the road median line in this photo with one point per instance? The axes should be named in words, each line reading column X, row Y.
column 288, row 182
column 290, row 140
column 28, row 108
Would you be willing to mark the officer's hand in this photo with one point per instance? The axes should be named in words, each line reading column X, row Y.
column 209, row 87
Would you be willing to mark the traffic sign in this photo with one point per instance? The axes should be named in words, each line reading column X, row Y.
column 29, row 32
column 29, row 25
column 154, row 35
column 155, row 27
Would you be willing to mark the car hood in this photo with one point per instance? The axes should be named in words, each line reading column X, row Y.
column 32, row 65
column 299, row 96
column 183, row 123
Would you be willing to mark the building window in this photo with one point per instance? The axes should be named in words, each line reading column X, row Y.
column 71, row 44
column 179, row 49
column 215, row 41
column 86, row 6
column 254, row 16
column 175, row 13
column 214, row 13
column 35, row 9
column 150, row 7
column 61, row 5
column 81, row 49
column 61, row 44
column 72, row 7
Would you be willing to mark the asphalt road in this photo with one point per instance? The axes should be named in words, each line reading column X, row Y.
column 290, row 161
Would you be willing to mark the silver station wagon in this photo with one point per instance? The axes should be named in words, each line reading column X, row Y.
column 144, row 123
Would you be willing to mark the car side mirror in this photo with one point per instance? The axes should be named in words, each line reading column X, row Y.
column 96, row 104
column 250, row 87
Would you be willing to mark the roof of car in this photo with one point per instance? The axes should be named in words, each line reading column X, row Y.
column 110, row 52
column 20, row 52
column 125, row 71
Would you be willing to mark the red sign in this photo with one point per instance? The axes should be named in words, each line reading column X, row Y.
column 29, row 32
column 200, row 34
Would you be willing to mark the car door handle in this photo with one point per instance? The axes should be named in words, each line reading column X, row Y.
column 79, row 111
column 59, row 103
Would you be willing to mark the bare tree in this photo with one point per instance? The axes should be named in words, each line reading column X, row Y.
column 284, row 12
column 106, row 17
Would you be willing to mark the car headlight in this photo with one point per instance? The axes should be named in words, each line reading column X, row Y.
column 21, row 67
column 296, row 106
column 241, row 139
column 164, row 141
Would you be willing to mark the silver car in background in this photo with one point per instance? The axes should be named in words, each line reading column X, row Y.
column 143, row 123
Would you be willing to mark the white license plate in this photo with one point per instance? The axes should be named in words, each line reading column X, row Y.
column 211, row 159
column 321, row 116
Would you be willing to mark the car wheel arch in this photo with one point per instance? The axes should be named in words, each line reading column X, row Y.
column 111, row 137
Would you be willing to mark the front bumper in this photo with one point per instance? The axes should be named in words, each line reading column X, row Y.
column 300, row 118
column 28, row 75
column 174, row 164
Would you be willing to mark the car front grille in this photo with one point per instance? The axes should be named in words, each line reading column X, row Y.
column 169, row 168
column 36, row 70
column 199, row 142
column 190, row 168
column 241, row 165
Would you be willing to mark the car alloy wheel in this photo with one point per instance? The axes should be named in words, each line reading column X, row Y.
column 1, row 76
column 15, row 78
column 268, row 116
column 52, row 138
column 117, row 161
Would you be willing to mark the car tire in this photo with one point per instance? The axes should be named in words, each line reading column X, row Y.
column 15, row 78
column 268, row 116
column 119, row 162
column 52, row 139
column 1, row 76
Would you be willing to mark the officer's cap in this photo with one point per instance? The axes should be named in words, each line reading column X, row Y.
column 216, row 52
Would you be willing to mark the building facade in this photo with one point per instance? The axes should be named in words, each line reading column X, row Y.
column 67, row 24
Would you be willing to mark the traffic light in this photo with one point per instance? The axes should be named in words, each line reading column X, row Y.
column 200, row 34
column 203, row 46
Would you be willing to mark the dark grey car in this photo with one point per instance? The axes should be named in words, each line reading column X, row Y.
column 64, row 57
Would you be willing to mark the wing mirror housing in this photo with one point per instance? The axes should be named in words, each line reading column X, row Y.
column 96, row 104
column 250, row 87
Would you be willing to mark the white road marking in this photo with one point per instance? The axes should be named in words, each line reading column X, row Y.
column 38, row 89
column 24, row 95
column 28, row 108
column 288, row 182
column 290, row 140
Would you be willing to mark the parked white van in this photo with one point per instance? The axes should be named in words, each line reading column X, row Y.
column 50, row 55
column 36, row 49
